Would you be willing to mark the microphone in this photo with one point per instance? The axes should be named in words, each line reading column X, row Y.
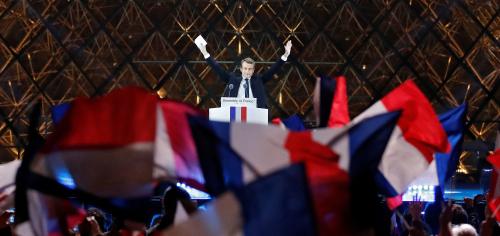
column 230, row 88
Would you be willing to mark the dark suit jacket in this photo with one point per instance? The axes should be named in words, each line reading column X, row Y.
column 256, row 83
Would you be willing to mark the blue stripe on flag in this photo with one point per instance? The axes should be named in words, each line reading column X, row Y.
column 59, row 111
column 367, row 142
column 232, row 165
column 232, row 114
column 453, row 122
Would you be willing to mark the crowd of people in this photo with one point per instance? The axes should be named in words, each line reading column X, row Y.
column 468, row 217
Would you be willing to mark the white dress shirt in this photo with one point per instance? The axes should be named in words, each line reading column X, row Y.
column 241, row 89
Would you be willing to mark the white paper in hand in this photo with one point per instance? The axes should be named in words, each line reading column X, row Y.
column 200, row 41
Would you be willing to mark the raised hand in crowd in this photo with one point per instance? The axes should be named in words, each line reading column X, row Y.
column 415, row 209
column 489, row 226
column 445, row 220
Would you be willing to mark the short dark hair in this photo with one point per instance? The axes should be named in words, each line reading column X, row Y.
column 459, row 215
column 248, row 60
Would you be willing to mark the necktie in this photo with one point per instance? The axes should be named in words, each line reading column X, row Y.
column 247, row 90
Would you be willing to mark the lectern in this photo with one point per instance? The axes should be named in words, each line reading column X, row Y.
column 238, row 110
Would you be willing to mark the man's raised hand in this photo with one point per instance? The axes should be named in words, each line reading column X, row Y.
column 202, row 45
column 288, row 48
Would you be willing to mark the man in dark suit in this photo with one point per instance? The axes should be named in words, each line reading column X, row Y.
column 246, row 85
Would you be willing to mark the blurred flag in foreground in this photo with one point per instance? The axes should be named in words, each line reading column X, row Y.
column 232, row 154
column 276, row 204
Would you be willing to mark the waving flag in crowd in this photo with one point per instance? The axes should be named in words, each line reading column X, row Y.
column 415, row 139
column 330, row 101
column 124, row 140
column 444, row 164
column 328, row 154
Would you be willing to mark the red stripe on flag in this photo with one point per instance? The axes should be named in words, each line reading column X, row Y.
column 243, row 113
column 276, row 121
column 178, row 129
column 326, row 182
column 394, row 202
column 120, row 118
column 494, row 193
column 339, row 113
column 418, row 122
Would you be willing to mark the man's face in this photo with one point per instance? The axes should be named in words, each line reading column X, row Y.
column 247, row 70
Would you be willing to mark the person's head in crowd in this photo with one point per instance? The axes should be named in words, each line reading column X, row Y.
column 468, row 203
column 463, row 230
column 479, row 199
column 459, row 215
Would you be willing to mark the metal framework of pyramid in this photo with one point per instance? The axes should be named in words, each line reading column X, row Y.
column 54, row 51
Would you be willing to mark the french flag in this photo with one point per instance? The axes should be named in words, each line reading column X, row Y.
column 99, row 133
column 238, row 114
column 113, row 151
column 494, row 193
column 233, row 154
column 444, row 164
column 417, row 136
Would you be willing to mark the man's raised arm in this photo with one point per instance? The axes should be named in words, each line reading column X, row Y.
column 202, row 46
column 276, row 66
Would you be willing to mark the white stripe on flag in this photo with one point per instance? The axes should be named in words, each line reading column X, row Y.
column 429, row 177
column 7, row 195
column 164, row 162
column 401, row 162
column 24, row 229
column 8, row 173
column 221, row 217
column 238, row 114
column 266, row 156
column 340, row 146
column 38, row 214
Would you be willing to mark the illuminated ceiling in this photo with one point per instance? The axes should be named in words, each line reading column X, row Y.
column 54, row 51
